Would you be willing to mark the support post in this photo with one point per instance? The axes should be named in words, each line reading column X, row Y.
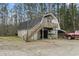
column 42, row 33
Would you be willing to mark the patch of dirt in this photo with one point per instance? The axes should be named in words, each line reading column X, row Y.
column 39, row 47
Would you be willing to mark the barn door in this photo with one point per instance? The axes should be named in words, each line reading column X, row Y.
column 44, row 33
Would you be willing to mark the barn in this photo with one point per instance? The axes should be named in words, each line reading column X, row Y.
column 45, row 27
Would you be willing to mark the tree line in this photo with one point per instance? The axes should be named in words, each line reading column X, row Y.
column 10, row 18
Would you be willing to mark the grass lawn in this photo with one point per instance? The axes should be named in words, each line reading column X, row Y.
column 15, row 39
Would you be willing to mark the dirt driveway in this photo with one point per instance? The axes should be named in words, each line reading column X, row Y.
column 12, row 46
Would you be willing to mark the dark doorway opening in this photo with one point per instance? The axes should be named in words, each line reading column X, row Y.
column 40, row 34
column 44, row 33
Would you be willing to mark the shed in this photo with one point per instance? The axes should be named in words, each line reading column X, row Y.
column 45, row 27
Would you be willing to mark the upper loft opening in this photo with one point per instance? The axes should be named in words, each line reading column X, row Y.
column 48, row 17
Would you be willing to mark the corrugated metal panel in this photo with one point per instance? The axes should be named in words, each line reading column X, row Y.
column 29, row 24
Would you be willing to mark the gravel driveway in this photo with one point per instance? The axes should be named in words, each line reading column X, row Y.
column 39, row 48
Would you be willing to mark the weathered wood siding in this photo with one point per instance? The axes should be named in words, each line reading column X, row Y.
column 45, row 22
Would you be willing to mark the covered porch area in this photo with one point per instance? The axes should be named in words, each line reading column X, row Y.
column 47, row 33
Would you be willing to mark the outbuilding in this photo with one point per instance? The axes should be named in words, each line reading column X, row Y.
column 45, row 27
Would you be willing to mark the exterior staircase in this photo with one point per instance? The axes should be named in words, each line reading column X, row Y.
column 35, row 29
column 38, row 27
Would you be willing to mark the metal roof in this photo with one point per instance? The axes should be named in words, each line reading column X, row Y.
column 29, row 24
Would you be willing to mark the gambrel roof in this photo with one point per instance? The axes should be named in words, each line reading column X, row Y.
column 29, row 24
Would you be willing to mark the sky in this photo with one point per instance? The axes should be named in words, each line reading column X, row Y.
column 11, row 5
